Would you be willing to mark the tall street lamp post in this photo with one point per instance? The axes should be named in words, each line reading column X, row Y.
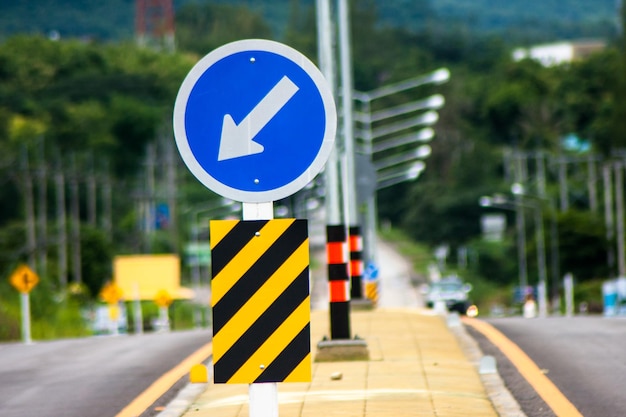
column 373, row 142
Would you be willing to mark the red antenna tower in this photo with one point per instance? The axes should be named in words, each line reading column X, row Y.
column 154, row 23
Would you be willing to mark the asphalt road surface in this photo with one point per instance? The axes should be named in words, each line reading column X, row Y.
column 584, row 356
column 90, row 377
column 99, row 376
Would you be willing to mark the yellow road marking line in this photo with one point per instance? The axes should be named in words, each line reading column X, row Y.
column 164, row 383
column 529, row 370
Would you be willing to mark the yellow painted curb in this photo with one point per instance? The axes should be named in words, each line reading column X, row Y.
column 527, row 368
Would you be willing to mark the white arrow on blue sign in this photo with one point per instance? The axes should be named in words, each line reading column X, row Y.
column 255, row 121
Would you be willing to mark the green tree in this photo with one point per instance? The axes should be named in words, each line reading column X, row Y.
column 301, row 30
column 517, row 106
column 202, row 28
column 582, row 245
column 95, row 104
column 589, row 95
column 617, row 127
column 96, row 259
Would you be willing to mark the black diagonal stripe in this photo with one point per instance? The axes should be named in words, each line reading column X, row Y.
column 262, row 328
column 289, row 359
column 233, row 243
column 259, row 273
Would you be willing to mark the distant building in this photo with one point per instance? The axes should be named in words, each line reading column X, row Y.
column 559, row 53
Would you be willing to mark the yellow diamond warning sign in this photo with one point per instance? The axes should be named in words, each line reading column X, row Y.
column 24, row 279
column 111, row 293
column 163, row 298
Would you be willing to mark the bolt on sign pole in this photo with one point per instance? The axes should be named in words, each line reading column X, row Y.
column 263, row 396
column 275, row 107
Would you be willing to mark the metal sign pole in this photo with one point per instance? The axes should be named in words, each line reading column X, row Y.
column 263, row 397
column 25, row 307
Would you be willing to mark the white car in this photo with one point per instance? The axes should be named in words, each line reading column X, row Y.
column 452, row 291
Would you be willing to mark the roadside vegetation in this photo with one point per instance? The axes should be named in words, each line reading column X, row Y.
column 79, row 111
column 484, row 293
column 491, row 296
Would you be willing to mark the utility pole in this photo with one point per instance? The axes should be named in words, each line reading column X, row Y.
column 508, row 164
column 554, row 256
column 591, row 183
column 149, row 199
column 170, row 182
column 541, row 260
column 563, row 190
column 521, row 226
column 29, row 208
column 107, row 203
column 608, row 215
column 541, row 174
column 619, row 214
column 42, row 245
column 59, row 179
column 91, row 193
column 75, row 208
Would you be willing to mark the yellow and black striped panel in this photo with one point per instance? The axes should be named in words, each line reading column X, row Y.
column 260, row 299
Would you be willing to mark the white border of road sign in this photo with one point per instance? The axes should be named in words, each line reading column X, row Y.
column 201, row 173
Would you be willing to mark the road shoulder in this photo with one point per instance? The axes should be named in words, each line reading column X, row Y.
column 504, row 402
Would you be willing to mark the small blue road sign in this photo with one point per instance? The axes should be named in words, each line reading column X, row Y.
column 255, row 121
column 371, row 272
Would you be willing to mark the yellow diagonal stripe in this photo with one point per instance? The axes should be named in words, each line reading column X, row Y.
column 219, row 229
column 261, row 300
column 302, row 372
column 236, row 268
column 274, row 345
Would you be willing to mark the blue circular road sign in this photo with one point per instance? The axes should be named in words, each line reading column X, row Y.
column 255, row 121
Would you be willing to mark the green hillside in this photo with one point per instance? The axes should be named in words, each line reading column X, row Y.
column 522, row 19
column 513, row 19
